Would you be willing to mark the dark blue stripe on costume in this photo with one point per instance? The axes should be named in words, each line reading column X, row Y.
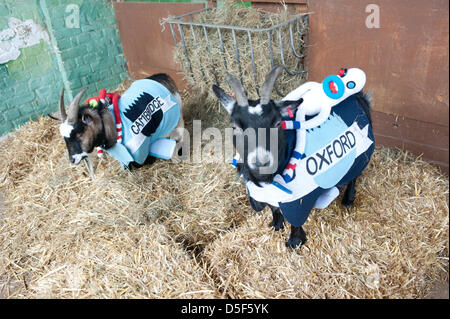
column 284, row 189
column 297, row 155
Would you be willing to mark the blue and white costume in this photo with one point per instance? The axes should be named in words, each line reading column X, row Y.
column 336, row 152
column 148, row 112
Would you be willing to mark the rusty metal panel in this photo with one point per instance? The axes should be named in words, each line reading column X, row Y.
column 406, row 59
column 420, row 138
column 432, row 134
column 147, row 48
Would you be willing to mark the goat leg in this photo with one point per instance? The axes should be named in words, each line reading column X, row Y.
column 278, row 219
column 349, row 195
column 297, row 237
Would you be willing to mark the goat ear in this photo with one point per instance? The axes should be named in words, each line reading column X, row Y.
column 284, row 105
column 55, row 116
column 110, row 129
column 227, row 101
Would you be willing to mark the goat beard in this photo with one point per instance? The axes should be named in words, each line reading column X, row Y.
column 88, row 163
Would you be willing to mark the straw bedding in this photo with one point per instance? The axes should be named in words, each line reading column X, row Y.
column 64, row 235
column 391, row 244
column 186, row 230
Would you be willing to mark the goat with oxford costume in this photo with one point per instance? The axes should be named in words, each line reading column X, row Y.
column 335, row 149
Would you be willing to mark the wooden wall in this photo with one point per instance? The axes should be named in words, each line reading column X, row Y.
column 406, row 62
column 146, row 47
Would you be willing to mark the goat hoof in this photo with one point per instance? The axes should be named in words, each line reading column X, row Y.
column 347, row 203
column 277, row 225
column 294, row 242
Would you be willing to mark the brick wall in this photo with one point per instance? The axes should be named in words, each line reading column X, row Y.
column 82, row 49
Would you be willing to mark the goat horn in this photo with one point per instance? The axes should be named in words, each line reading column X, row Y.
column 239, row 91
column 62, row 110
column 73, row 108
column 267, row 87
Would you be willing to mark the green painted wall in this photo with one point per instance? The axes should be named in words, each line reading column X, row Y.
column 84, row 50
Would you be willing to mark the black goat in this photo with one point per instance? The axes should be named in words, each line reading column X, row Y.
column 260, row 165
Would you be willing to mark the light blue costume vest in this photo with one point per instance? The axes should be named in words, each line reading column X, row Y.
column 148, row 112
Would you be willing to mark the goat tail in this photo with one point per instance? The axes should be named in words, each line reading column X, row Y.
column 369, row 98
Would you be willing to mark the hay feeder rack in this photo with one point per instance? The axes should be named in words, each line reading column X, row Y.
column 187, row 20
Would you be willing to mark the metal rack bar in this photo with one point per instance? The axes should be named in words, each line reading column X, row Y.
column 209, row 52
column 180, row 29
column 297, row 19
column 237, row 54
column 253, row 61
column 179, row 21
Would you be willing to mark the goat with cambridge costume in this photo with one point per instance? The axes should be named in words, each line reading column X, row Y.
column 131, row 128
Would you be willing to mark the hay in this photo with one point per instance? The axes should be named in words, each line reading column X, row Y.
column 204, row 58
column 393, row 242
column 66, row 236
column 186, row 230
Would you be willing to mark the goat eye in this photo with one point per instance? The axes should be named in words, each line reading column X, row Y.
column 236, row 129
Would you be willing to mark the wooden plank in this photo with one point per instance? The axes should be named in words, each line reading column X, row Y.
column 147, row 47
column 429, row 140
column 428, row 153
column 412, row 130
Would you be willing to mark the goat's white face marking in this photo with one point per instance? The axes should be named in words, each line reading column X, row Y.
column 65, row 129
column 255, row 110
column 229, row 106
column 261, row 156
column 78, row 157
